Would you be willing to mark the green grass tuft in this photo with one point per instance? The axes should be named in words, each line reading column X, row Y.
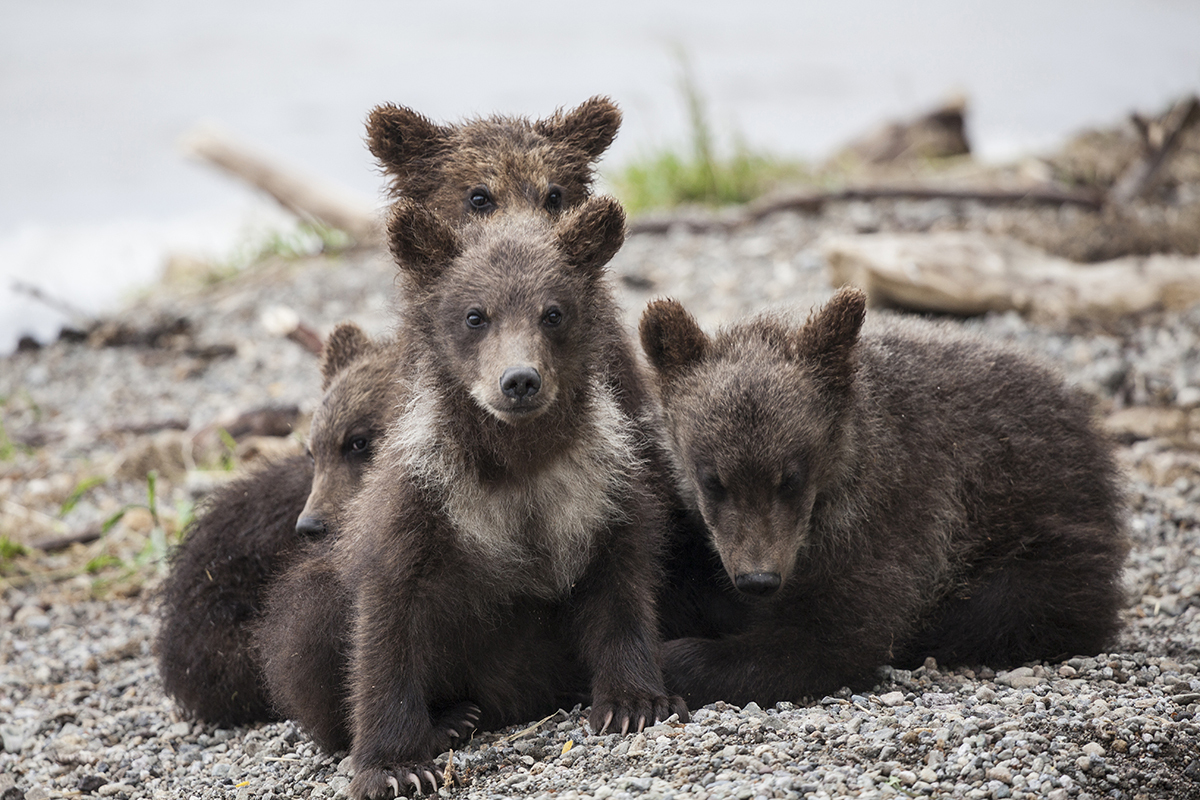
column 698, row 174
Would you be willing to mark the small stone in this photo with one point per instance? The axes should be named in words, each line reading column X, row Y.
column 178, row 730
column 928, row 775
column 1188, row 397
column 1067, row 671
column 892, row 699
column 90, row 783
column 1093, row 749
column 1083, row 763
column 906, row 776
column 1002, row 774
column 984, row 694
column 1019, row 678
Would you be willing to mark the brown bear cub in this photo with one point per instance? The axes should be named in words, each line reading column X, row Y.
column 510, row 521
column 475, row 168
column 912, row 492
column 253, row 527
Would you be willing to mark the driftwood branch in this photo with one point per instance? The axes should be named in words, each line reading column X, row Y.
column 83, row 536
column 964, row 273
column 77, row 316
column 814, row 202
column 283, row 321
column 303, row 196
column 1160, row 141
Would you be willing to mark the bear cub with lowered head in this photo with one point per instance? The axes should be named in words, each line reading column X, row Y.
column 912, row 492
column 515, row 479
column 253, row 528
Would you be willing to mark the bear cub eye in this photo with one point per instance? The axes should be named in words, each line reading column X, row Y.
column 710, row 485
column 554, row 199
column 476, row 319
column 357, row 445
column 552, row 317
column 791, row 482
column 480, row 199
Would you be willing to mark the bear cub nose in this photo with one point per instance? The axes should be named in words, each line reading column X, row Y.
column 310, row 527
column 520, row 383
column 758, row 583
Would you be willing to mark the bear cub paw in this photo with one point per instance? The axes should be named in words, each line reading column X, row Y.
column 374, row 783
column 634, row 713
column 453, row 727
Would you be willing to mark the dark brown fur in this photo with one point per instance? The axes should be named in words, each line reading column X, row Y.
column 250, row 529
column 500, row 536
column 918, row 492
column 494, row 163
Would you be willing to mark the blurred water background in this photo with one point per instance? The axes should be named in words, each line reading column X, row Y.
column 95, row 96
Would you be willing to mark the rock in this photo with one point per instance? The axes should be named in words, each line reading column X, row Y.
column 1019, row 678
column 1002, row 774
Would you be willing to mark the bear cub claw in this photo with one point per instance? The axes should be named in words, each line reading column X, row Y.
column 634, row 713
column 456, row 725
column 374, row 783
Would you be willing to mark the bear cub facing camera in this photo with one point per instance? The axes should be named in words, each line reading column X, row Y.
column 511, row 502
column 874, row 499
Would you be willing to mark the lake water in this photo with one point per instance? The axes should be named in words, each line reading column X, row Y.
column 94, row 97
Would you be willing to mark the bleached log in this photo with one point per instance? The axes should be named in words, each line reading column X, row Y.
column 305, row 197
column 966, row 273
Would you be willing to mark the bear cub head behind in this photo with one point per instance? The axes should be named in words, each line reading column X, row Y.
column 358, row 402
column 495, row 163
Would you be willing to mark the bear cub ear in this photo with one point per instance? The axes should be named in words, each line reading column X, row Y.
column 828, row 338
column 590, row 234
column 671, row 339
column 590, row 128
column 344, row 346
column 397, row 136
column 421, row 243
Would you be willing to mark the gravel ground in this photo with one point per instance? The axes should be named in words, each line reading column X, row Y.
column 82, row 712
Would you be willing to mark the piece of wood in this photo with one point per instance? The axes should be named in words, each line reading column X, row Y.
column 964, row 273
column 83, row 536
column 1161, row 140
column 815, row 202
column 299, row 194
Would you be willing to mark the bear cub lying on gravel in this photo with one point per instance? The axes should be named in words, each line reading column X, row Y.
column 510, row 503
column 879, row 499
column 252, row 528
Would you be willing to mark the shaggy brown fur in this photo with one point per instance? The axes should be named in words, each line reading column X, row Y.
column 510, row 525
column 918, row 492
column 494, row 163
column 251, row 528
